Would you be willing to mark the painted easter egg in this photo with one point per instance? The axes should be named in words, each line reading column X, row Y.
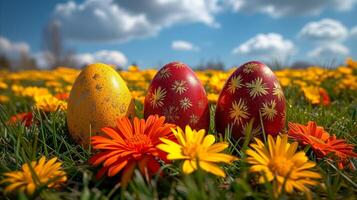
column 251, row 92
column 99, row 97
column 176, row 93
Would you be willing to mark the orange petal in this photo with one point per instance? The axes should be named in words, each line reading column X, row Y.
column 117, row 166
column 113, row 134
column 127, row 173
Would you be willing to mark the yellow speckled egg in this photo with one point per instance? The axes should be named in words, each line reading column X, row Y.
column 99, row 97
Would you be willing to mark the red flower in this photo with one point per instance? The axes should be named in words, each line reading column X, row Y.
column 325, row 98
column 62, row 96
column 25, row 118
column 130, row 145
column 322, row 143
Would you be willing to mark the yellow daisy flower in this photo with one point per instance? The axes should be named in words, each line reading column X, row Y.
column 49, row 103
column 278, row 161
column 196, row 148
column 4, row 99
column 133, row 68
column 30, row 91
column 44, row 173
column 312, row 94
column 3, row 85
column 212, row 97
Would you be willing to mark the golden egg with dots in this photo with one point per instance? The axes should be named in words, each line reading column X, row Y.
column 99, row 97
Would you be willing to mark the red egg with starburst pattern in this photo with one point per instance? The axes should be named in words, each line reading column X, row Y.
column 252, row 92
column 176, row 93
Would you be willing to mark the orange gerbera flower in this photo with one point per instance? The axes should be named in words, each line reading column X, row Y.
column 322, row 143
column 130, row 145
column 25, row 118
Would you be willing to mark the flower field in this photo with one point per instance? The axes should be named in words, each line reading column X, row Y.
column 314, row 157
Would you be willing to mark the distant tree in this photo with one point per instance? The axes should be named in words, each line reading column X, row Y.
column 4, row 63
column 27, row 62
column 275, row 64
column 53, row 45
column 216, row 64
column 23, row 61
column 300, row 65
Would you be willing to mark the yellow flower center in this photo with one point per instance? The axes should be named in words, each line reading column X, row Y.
column 281, row 166
column 191, row 150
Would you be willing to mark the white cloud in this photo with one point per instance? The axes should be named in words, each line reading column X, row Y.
column 324, row 30
column 266, row 46
column 278, row 8
column 108, row 57
column 181, row 45
column 116, row 58
column 44, row 59
column 123, row 20
column 329, row 50
column 353, row 32
column 13, row 50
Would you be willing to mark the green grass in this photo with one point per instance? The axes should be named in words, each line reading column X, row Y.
column 50, row 137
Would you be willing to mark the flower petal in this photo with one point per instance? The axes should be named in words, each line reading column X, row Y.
column 187, row 168
column 212, row 168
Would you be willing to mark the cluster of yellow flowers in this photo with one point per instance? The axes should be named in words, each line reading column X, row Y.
column 44, row 87
column 42, row 97
column 45, row 84
column 310, row 80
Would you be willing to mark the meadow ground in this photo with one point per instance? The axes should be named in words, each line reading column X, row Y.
column 326, row 96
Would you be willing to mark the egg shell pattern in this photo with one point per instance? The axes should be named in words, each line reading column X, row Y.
column 99, row 97
column 252, row 91
column 176, row 93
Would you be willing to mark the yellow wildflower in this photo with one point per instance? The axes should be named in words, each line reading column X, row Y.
column 3, row 85
column 195, row 148
column 29, row 91
column 138, row 95
column 49, row 103
column 55, row 84
column 312, row 94
column 279, row 162
column 212, row 97
column 351, row 63
column 284, row 81
column 217, row 81
column 344, row 70
column 4, row 99
column 133, row 68
column 48, row 174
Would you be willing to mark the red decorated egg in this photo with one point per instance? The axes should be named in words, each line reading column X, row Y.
column 251, row 92
column 176, row 93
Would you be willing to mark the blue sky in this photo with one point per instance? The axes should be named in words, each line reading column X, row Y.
column 146, row 34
